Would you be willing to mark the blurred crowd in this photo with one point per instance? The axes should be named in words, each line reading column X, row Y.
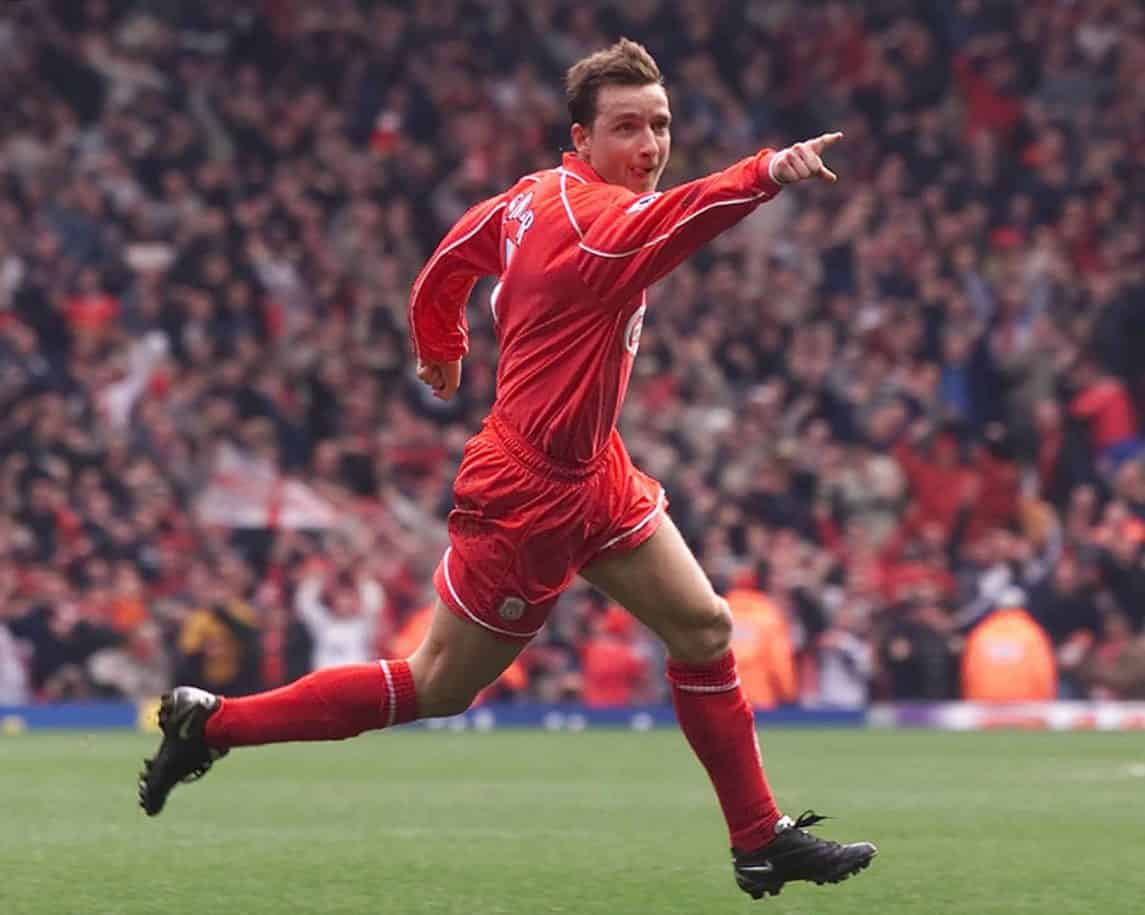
column 898, row 418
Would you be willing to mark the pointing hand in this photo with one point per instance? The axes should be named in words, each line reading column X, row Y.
column 803, row 160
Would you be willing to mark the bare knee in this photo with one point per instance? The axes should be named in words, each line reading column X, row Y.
column 445, row 701
column 442, row 689
column 455, row 661
column 706, row 637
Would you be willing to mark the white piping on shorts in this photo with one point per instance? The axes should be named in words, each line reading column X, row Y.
column 393, row 694
column 470, row 613
column 648, row 517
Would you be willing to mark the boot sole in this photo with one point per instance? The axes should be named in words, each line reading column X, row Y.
column 776, row 889
column 149, row 801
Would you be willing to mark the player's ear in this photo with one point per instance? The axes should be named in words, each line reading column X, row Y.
column 581, row 138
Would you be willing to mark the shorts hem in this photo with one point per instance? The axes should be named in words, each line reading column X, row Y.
column 453, row 603
column 627, row 542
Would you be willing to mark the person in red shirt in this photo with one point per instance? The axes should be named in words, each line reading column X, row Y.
column 614, row 671
column 546, row 489
column 1104, row 404
column 941, row 485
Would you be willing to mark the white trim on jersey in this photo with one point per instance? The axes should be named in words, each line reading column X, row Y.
column 470, row 613
column 392, row 692
column 440, row 254
column 568, row 206
column 660, row 238
column 648, row 517
column 564, row 171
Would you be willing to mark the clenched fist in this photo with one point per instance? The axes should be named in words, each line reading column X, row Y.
column 803, row 160
column 443, row 377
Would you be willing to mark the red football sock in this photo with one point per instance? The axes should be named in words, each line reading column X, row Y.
column 718, row 722
column 330, row 704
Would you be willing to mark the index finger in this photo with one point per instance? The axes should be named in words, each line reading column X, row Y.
column 824, row 140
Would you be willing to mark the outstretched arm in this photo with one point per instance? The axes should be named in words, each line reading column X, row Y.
column 635, row 240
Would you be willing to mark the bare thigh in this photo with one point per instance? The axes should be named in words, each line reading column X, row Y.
column 662, row 585
column 455, row 661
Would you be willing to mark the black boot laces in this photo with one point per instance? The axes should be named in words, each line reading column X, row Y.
column 809, row 818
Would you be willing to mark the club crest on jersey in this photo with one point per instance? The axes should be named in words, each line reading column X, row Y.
column 511, row 609
column 632, row 330
column 643, row 203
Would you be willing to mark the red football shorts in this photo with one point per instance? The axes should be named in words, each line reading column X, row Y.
column 523, row 525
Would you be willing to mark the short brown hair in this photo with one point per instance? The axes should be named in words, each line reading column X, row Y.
column 626, row 63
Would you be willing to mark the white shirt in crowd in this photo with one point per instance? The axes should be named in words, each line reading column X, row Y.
column 844, row 671
column 339, row 639
column 13, row 673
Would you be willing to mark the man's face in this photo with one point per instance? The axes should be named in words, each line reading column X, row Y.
column 629, row 140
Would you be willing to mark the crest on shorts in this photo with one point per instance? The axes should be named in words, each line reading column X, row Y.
column 511, row 609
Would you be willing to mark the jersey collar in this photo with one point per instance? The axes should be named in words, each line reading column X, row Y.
column 575, row 165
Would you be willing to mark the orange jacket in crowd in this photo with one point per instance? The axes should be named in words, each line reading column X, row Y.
column 1009, row 658
column 762, row 645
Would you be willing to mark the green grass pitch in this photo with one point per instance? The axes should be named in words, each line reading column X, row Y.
column 609, row 822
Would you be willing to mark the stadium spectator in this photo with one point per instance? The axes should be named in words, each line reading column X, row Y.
column 844, row 659
column 614, row 668
column 139, row 669
column 62, row 643
column 341, row 611
column 1065, row 605
column 14, row 687
column 762, row 643
column 1008, row 657
column 1102, row 403
column 1115, row 669
column 915, row 658
column 218, row 640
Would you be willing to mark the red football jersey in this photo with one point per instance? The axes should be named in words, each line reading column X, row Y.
column 575, row 255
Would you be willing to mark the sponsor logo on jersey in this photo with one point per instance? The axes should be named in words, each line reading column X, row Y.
column 519, row 205
column 519, row 211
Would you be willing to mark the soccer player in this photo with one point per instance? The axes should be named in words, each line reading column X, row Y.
column 546, row 490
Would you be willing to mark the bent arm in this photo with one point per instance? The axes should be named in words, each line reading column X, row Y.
column 438, row 328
